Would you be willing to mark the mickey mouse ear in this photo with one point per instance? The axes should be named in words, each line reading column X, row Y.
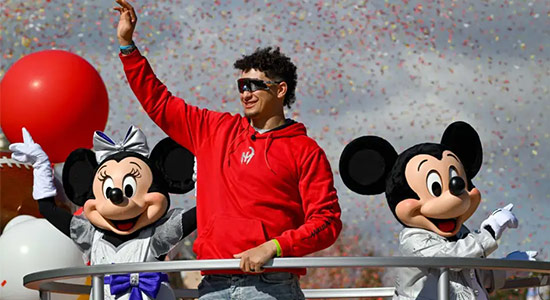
column 464, row 141
column 365, row 163
column 176, row 165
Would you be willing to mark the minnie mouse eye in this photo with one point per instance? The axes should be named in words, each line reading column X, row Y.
column 108, row 185
column 129, row 185
column 433, row 182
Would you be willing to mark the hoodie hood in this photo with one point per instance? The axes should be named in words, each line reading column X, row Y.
column 285, row 130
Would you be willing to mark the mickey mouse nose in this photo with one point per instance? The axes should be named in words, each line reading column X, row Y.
column 457, row 185
column 116, row 196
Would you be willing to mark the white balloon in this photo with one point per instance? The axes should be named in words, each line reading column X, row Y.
column 17, row 220
column 31, row 245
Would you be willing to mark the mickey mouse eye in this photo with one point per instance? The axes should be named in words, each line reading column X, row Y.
column 452, row 172
column 108, row 186
column 129, row 185
column 433, row 182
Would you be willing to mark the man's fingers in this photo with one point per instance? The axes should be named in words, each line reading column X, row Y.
column 246, row 265
column 122, row 3
column 120, row 8
column 128, row 7
column 133, row 14
column 241, row 265
column 126, row 16
column 258, row 269
column 124, row 13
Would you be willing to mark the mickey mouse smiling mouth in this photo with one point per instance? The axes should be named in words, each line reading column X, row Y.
column 445, row 225
column 124, row 225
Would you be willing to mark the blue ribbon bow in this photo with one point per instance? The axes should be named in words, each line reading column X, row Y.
column 147, row 282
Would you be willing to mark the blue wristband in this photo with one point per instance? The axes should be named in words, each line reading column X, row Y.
column 127, row 46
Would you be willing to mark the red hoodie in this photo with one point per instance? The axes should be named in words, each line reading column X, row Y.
column 251, row 187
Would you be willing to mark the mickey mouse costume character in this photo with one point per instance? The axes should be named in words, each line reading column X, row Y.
column 125, row 200
column 429, row 190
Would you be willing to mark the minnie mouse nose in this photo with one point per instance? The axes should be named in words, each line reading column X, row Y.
column 457, row 185
column 116, row 196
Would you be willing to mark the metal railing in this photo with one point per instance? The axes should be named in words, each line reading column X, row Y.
column 48, row 281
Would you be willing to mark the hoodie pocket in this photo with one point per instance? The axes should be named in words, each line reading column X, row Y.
column 228, row 235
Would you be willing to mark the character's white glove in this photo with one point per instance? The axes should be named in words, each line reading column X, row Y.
column 500, row 219
column 30, row 152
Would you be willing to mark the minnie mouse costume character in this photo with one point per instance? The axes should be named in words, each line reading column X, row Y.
column 125, row 200
column 429, row 190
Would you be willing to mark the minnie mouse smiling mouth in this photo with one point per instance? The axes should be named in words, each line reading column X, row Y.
column 445, row 225
column 125, row 225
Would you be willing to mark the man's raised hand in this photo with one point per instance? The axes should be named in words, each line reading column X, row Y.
column 126, row 23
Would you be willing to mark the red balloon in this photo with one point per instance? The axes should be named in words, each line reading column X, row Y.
column 58, row 96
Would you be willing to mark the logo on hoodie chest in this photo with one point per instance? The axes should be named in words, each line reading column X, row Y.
column 247, row 156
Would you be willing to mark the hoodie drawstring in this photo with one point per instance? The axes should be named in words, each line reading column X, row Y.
column 267, row 144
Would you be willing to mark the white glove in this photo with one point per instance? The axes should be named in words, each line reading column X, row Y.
column 501, row 219
column 31, row 152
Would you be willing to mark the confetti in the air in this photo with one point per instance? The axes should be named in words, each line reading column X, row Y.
column 397, row 69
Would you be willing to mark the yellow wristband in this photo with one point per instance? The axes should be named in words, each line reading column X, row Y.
column 279, row 250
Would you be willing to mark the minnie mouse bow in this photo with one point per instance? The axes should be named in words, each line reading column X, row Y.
column 134, row 141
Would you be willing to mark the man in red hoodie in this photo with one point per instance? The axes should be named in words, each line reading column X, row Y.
column 264, row 188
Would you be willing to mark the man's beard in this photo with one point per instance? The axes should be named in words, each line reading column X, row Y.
column 251, row 114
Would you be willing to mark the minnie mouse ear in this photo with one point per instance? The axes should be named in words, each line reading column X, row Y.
column 175, row 164
column 464, row 141
column 365, row 163
column 78, row 175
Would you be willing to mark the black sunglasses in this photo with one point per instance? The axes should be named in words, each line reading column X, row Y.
column 252, row 84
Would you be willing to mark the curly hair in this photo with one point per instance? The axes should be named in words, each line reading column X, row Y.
column 275, row 65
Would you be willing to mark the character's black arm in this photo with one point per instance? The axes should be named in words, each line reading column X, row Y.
column 57, row 216
column 189, row 221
